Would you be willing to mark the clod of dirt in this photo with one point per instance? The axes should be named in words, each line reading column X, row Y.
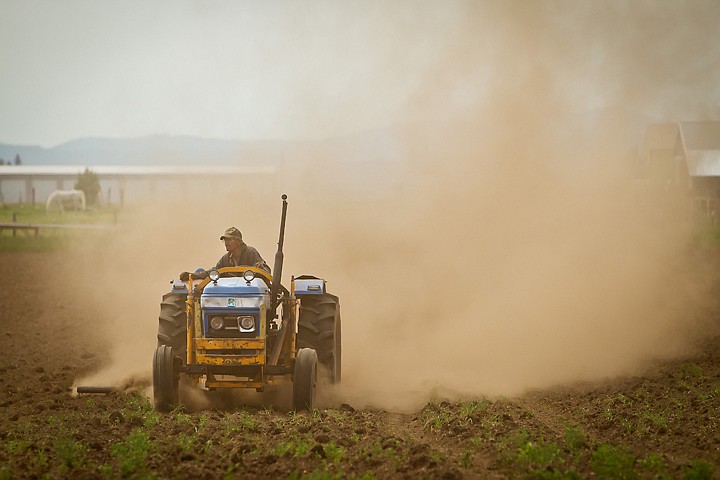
column 268, row 459
column 451, row 474
column 421, row 460
column 322, row 438
column 116, row 417
column 390, row 442
column 135, row 422
column 318, row 450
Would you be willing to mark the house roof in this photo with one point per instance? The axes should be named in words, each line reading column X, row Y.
column 703, row 163
column 697, row 142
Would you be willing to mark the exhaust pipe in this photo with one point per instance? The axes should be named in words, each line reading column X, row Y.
column 277, row 267
column 96, row 389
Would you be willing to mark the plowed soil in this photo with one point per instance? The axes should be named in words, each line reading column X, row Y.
column 664, row 424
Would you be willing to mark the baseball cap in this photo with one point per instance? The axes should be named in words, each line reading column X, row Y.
column 231, row 232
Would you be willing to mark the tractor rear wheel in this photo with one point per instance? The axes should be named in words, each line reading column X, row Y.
column 165, row 378
column 319, row 328
column 172, row 324
column 305, row 379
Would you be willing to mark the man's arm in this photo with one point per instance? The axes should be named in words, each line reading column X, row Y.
column 223, row 262
column 255, row 259
column 199, row 273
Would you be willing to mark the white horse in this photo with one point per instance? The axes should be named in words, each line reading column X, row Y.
column 66, row 198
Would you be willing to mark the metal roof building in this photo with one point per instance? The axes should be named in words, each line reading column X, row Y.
column 685, row 156
column 684, row 152
column 120, row 184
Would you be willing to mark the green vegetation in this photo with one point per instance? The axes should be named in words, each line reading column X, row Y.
column 71, row 453
column 136, row 443
column 293, row 447
column 574, row 439
column 50, row 239
column 699, row 470
column 240, row 421
column 333, row 453
column 89, row 183
column 131, row 454
column 611, row 462
column 37, row 214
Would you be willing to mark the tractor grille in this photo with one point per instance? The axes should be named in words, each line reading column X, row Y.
column 229, row 326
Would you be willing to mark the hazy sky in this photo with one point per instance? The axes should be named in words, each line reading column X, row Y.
column 312, row 69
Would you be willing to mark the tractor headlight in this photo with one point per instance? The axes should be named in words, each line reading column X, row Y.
column 214, row 275
column 247, row 323
column 217, row 323
column 248, row 275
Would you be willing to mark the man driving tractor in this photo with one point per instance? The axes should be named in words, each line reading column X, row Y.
column 238, row 253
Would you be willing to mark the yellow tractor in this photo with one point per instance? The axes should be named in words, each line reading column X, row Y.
column 239, row 327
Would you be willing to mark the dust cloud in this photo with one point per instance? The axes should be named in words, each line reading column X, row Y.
column 505, row 245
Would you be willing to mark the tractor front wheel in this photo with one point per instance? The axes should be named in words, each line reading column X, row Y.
column 165, row 378
column 305, row 379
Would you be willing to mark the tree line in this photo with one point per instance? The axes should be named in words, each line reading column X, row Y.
column 18, row 161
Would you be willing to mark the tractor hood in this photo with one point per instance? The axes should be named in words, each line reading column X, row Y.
column 236, row 286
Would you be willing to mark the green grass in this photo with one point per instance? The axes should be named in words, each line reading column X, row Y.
column 186, row 442
column 699, row 470
column 435, row 417
column 98, row 213
column 71, row 453
column 37, row 214
column 465, row 460
column 293, row 447
column 690, row 370
column 239, row 421
column 319, row 474
column 131, row 454
column 654, row 465
column 25, row 243
column 472, row 409
column 334, row 453
column 611, row 462
column 49, row 239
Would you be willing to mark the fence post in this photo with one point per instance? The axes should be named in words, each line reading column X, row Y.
column 14, row 221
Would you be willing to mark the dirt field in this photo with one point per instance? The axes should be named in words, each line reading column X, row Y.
column 665, row 424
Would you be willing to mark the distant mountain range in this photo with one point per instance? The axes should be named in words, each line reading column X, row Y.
column 151, row 150
column 380, row 145
column 376, row 146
